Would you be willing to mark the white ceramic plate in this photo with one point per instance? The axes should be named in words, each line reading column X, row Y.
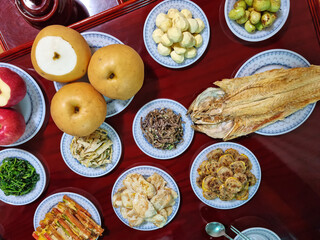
column 82, row 170
column 258, row 233
column 38, row 189
column 47, row 204
column 150, row 26
column 32, row 106
column 257, row 36
column 217, row 203
column 271, row 59
column 147, row 171
column 143, row 143
column 95, row 41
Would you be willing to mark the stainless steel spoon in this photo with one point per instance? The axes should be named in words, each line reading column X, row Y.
column 216, row 229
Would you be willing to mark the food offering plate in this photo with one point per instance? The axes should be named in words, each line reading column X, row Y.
column 147, row 171
column 48, row 203
column 39, row 187
column 147, row 147
column 32, row 106
column 258, row 233
column 82, row 170
column 272, row 59
column 257, row 36
column 95, row 41
column 150, row 26
column 217, row 203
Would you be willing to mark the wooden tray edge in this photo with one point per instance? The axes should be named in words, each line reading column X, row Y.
column 80, row 26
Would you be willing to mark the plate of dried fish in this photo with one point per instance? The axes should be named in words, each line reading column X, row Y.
column 276, row 59
column 161, row 129
column 94, row 155
column 145, row 198
column 275, row 90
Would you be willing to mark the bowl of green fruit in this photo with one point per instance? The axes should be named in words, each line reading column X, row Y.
column 256, row 20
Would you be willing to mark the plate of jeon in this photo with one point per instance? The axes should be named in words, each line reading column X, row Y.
column 70, row 214
column 225, row 175
column 145, row 198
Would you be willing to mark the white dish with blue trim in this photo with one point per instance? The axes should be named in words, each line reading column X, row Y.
column 147, row 171
column 40, row 185
column 217, row 203
column 95, row 41
column 32, row 106
column 82, row 170
column 271, row 59
column 150, row 26
column 143, row 143
column 258, row 233
column 257, row 36
column 47, row 204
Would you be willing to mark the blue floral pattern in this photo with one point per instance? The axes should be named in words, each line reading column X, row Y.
column 259, row 234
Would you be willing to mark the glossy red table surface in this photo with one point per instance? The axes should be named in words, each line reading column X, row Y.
column 287, row 201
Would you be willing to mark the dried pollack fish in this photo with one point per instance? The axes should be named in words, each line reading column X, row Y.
column 244, row 105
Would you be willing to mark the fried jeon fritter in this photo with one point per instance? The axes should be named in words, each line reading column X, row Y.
column 142, row 206
column 227, row 178
column 133, row 218
column 163, row 199
column 225, row 160
column 138, row 184
column 143, row 200
column 157, row 181
column 215, row 154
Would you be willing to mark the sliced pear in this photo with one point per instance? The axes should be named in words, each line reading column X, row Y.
column 60, row 54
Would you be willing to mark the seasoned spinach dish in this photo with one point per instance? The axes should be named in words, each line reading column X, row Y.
column 17, row 177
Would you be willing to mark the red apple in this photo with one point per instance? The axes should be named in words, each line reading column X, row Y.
column 12, row 88
column 12, row 126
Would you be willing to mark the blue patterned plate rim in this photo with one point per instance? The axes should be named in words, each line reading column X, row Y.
column 294, row 120
column 142, row 142
column 115, row 106
column 217, row 203
column 150, row 170
column 78, row 168
column 264, row 232
column 38, row 111
column 38, row 189
column 48, row 203
column 149, row 27
column 257, row 36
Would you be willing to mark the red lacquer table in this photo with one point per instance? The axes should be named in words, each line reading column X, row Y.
column 287, row 201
